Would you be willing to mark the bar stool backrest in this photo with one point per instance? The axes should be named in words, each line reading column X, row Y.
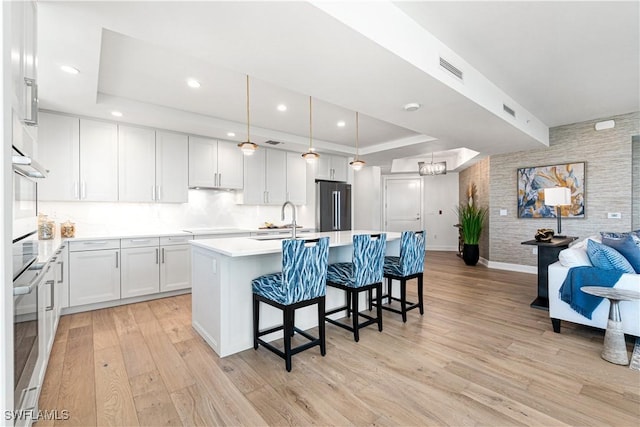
column 368, row 258
column 304, row 268
column 412, row 245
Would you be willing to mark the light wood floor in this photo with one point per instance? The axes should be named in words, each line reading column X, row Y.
column 479, row 355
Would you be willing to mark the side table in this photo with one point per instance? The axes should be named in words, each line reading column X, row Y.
column 615, row 349
column 547, row 255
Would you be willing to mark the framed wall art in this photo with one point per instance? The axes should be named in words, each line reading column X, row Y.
column 533, row 180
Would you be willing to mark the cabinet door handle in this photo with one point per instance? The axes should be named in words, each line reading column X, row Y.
column 159, row 193
column 163, row 255
column 157, row 255
column 61, row 264
column 116, row 259
column 33, row 116
column 51, row 284
column 140, row 240
column 219, row 180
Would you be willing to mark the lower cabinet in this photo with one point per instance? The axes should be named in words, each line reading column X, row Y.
column 140, row 271
column 94, row 275
column 47, row 318
column 175, row 267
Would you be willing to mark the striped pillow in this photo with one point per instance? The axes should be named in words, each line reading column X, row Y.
column 629, row 247
column 606, row 258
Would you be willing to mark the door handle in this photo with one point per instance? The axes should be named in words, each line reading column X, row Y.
column 157, row 256
column 33, row 116
column 61, row 264
column 116, row 259
column 51, row 284
column 339, row 211
column 163, row 255
column 159, row 193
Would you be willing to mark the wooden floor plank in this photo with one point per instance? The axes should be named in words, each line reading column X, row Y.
column 114, row 400
column 480, row 355
column 77, row 383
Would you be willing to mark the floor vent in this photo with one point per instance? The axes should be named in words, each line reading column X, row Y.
column 450, row 68
column 270, row 142
column 509, row 110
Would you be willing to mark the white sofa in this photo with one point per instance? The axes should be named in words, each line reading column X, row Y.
column 560, row 310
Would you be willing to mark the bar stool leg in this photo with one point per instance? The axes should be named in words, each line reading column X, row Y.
column 287, row 336
column 403, row 299
column 348, row 304
column 420, row 294
column 321, row 326
column 389, row 288
column 354, row 300
column 256, row 320
column 615, row 348
column 379, row 305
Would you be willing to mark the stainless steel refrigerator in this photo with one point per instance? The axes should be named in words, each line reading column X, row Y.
column 333, row 206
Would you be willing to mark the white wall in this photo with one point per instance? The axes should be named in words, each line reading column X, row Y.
column 367, row 199
column 440, row 200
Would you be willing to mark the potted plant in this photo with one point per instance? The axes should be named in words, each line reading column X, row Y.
column 471, row 220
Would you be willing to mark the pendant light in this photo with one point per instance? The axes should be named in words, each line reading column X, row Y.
column 248, row 147
column 357, row 164
column 439, row 168
column 310, row 156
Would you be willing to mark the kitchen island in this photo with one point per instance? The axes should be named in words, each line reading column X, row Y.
column 221, row 275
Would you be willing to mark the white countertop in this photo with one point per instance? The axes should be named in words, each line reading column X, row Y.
column 247, row 246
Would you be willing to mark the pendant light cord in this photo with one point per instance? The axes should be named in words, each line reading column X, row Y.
column 357, row 133
column 248, row 134
column 310, row 126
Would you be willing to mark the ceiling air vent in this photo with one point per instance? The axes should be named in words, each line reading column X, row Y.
column 270, row 142
column 450, row 68
column 509, row 110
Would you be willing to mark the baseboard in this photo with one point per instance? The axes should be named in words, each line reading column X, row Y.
column 510, row 267
column 124, row 301
column 442, row 248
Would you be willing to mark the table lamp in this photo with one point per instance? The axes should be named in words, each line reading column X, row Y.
column 557, row 196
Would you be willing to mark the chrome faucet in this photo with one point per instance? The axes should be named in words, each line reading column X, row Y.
column 293, row 221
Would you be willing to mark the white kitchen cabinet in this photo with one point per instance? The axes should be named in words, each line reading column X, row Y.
column 137, row 164
column 94, row 275
column 153, row 165
column 172, row 167
column 140, row 271
column 265, row 177
column 214, row 164
column 175, row 267
column 98, row 161
column 59, row 149
column 62, row 278
column 296, row 179
column 47, row 300
column 331, row 168
column 24, row 84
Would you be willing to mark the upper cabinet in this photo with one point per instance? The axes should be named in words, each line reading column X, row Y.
column 172, row 167
column 296, row 179
column 272, row 177
column 331, row 168
column 24, row 83
column 82, row 158
column 59, row 148
column 98, row 161
column 153, row 165
column 214, row 164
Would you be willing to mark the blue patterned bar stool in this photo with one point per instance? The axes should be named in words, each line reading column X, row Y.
column 409, row 265
column 364, row 273
column 301, row 283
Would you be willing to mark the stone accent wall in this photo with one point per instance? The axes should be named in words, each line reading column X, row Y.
column 478, row 174
column 608, row 174
column 635, row 210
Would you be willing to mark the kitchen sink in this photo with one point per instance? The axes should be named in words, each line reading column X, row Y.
column 270, row 237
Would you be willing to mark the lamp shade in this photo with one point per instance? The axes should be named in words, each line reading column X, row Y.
column 557, row 196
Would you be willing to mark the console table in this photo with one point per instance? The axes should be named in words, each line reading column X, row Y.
column 547, row 255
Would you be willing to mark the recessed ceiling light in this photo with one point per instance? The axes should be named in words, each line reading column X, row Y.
column 341, row 124
column 231, row 134
column 69, row 69
column 412, row 106
column 116, row 113
column 282, row 107
column 193, row 83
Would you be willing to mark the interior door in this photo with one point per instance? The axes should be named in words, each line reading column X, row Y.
column 403, row 204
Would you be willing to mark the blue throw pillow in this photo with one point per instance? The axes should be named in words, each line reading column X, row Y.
column 628, row 246
column 606, row 258
column 618, row 235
